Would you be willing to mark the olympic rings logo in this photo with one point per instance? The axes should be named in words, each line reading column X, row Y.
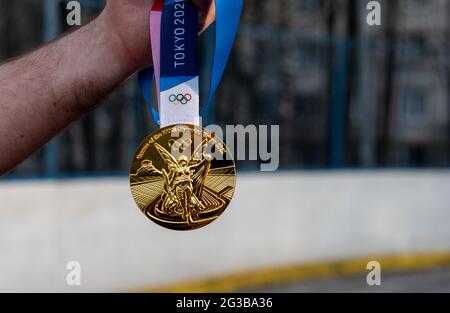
column 180, row 98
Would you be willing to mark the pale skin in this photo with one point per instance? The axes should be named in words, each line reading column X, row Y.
column 43, row 92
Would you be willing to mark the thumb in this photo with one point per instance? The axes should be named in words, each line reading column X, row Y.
column 207, row 13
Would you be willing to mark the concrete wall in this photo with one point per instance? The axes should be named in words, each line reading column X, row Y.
column 274, row 219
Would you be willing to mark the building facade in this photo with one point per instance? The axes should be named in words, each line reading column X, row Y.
column 345, row 94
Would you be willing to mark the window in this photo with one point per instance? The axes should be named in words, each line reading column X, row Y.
column 412, row 52
column 413, row 105
column 308, row 5
column 309, row 57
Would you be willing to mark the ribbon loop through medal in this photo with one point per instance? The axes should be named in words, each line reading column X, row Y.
column 228, row 13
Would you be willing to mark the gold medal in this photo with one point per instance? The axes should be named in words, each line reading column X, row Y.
column 182, row 182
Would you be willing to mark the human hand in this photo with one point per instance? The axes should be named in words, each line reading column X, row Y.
column 127, row 21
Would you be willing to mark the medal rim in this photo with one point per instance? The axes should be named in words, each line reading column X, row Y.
column 161, row 222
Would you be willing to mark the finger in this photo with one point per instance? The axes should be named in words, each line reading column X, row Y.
column 203, row 4
column 207, row 13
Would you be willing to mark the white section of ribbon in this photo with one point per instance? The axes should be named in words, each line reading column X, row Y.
column 180, row 104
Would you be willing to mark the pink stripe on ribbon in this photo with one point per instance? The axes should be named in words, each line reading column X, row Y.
column 155, row 33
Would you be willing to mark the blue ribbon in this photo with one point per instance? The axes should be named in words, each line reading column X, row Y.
column 146, row 78
column 172, row 75
column 228, row 13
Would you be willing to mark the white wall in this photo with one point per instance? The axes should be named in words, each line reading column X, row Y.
column 274, row 219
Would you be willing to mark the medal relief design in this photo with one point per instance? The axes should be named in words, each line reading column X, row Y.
column 187, row 190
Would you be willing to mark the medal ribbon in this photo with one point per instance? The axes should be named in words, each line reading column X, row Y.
column 174, row 27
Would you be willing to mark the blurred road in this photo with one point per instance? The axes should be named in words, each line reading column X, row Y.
column 275, row 220
column 433, row 280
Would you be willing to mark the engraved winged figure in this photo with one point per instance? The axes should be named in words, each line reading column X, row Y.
column 183, row 182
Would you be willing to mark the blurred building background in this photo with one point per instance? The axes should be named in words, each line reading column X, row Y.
column 345, row 94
